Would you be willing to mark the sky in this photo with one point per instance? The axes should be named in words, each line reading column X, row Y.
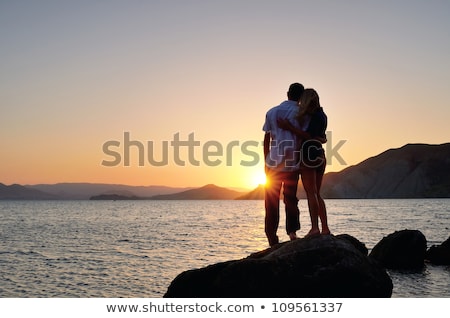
column 175, row 92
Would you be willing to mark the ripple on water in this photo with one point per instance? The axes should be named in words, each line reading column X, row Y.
column 135, row 249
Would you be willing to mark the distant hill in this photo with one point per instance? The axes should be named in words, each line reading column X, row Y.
column 255, row 194
column 84, row 191
column 412, row 171
column 208, row 192
column 19, row 192
column 114, row 197
column 94, row 191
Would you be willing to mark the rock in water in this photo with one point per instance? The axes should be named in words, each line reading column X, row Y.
column 401, row 250
column 323, row 266
column 439, row 254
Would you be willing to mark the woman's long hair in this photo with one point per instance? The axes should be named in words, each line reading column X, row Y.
column 309, row 102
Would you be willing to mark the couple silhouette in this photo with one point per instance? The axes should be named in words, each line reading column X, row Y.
column 294, row 134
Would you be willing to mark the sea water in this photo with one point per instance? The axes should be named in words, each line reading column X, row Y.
column 136, row 248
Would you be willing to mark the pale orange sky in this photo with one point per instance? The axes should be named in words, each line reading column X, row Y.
column 76, row 75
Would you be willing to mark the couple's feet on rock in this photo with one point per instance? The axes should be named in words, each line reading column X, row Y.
column 313, row 233
column 275, row 241
column 293, row 235
column 316, row 232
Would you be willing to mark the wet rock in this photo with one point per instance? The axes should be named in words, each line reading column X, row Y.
column 323, row 266
column 439, row 254
column 401, row 250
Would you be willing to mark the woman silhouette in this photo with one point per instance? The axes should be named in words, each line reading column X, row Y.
column 313, row 161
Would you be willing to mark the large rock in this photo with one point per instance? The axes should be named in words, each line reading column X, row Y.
column 324, row 266
column 355, row 242
column 401, row 250
column 439, row 254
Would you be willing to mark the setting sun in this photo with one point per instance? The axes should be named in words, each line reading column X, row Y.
column 259, row 178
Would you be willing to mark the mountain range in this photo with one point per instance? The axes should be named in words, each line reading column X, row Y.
column 83, row 191
column 207, row 192
column 19, row 192
column 412, row 171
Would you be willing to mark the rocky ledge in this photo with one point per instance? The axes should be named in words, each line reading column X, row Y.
column 322, row 266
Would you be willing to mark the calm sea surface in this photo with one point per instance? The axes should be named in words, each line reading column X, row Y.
column 135, row 248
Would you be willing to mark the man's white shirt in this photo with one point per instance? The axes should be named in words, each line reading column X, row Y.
column 284, row 147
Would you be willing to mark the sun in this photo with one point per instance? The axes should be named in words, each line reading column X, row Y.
column 259, row 178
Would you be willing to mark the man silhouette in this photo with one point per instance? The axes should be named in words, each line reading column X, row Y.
column 281, row 166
